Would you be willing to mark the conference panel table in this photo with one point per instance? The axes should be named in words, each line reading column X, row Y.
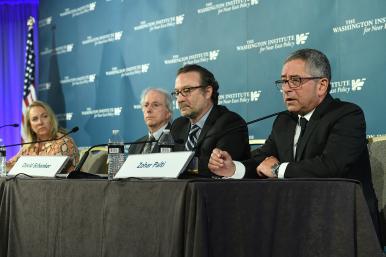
column 198, row 218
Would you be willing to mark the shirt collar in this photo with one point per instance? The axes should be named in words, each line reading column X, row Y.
column 307, row 116
column 203, row 119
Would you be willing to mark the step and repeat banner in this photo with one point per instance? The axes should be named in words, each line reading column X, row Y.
column 96, row 57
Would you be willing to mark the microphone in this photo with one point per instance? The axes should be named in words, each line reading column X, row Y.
column 73, row 130
column 15, row 125
column 86, row 154
column 235, row 128
column 232, row 129
column 265, row 117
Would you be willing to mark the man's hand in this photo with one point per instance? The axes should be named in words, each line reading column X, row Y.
column 265, row 167
column 221, row 164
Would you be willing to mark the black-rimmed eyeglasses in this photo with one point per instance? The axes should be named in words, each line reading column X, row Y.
column 293, row 82
column 185, row 91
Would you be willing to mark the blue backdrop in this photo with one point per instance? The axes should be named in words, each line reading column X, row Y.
column 97, row 56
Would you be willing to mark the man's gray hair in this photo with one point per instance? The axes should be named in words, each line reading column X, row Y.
column 168, row 97
column 317, row 62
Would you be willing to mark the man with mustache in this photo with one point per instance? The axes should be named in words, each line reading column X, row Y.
column 318, row 137
column 157, row 111
column 203, row 123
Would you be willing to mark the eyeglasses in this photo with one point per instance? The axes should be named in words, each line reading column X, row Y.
column 185, row 91
column 293, row 82
column 153, row 105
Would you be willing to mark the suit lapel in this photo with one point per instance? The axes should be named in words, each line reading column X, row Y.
column 139, row 147
column 312, row 125
column 213, row 116
column 156, row 146
column 288, row 138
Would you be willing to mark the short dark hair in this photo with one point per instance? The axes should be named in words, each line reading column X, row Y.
column 207, row 78
column 316, row 61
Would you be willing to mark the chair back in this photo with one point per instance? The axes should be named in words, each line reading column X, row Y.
column 377, row 151
column 255, row 144
column 96, row 162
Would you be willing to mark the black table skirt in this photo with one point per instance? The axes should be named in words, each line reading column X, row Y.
column 198, row 218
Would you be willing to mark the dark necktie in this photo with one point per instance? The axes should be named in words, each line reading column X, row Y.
column 192, row 138
column 303, row 124
column 148, row 145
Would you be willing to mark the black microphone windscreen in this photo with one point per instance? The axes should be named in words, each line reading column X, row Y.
column 74, row 129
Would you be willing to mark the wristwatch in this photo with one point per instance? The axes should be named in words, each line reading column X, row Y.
column 275, row 169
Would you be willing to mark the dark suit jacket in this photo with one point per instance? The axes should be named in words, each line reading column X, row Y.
column 137, row 148
column 334, row 145
column 223, row 129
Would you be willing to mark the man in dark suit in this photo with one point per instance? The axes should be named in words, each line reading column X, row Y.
column 157, row 112
column 318, row 137
column 204, row 124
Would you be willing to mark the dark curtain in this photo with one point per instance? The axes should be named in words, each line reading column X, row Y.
column 13, row 35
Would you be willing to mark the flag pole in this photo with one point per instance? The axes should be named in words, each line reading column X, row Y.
column 30, row 22
column 29, row 94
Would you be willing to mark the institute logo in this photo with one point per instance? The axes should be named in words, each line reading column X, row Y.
column 179, row 19
column 58, row 50
column 366, row 26
column 228, row 6
column 79, row 10
column 301, row 38
column 288, row 41
column 44, row 86
column 357, row 84
column 76, row 81
column 348, row 86
column 116, row 36
column 255, row 95
column 45, row 22
column 129, row 71
column 207, row 56
column 239, row 97
column 102, row 113
column 161, row 24
column 64, row 116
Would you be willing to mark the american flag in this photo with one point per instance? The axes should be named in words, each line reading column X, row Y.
column 29, row 94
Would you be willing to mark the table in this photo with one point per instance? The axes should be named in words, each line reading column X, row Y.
column 292, row 217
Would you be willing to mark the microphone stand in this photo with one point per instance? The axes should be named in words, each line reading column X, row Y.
column 236, row 128
column 84, row 157
column 86, row 154
column 73, row 130
column 264, row 118
column 10, row 125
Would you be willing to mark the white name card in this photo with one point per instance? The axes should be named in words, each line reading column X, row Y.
column 39, row 166
column 155, row 165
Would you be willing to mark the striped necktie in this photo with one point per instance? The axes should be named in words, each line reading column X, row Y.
column 148, row 145
column 192, row 138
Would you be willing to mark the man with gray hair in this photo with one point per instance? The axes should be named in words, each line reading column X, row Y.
column 318, row 137
column 157, row 111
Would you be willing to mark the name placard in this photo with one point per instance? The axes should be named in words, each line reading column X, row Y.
column 39, row 166
column 155, row 165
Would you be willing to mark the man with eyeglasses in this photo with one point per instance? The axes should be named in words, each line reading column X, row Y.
column 318, row 137
column 205, row 125
column 157, row 111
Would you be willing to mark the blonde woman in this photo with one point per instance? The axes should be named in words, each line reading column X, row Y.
column 41, row 124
